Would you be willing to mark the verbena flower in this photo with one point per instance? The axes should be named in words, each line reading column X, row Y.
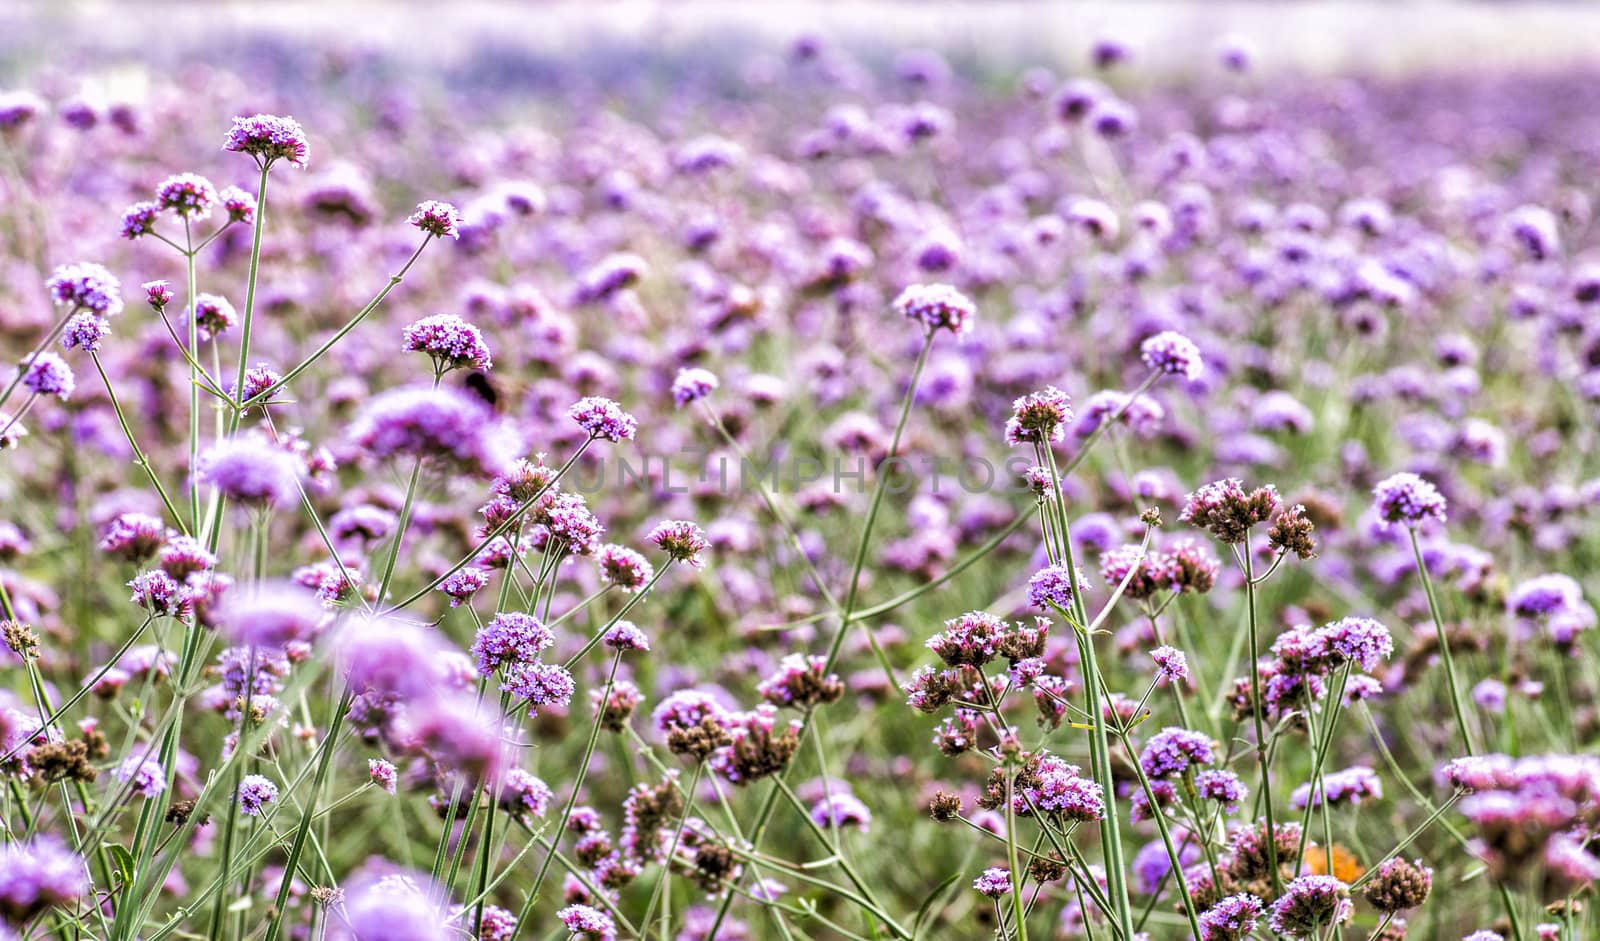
column 255, row 793
column 453, row 343
column 439, row 219
column 1408, row 499
column 936, row 307
column 269, row 138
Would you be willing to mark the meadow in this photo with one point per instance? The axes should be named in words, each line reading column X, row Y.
column 874, row 497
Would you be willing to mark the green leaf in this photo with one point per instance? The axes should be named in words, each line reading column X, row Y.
column 923, row 910
column 123, row 860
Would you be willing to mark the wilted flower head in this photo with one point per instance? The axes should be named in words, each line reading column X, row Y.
column 1227, row 511
column 1310, row 904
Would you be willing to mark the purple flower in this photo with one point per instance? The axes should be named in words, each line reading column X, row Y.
column 693, row 384
column 1173, row 354
column 1053, row 587
column 143, row 774
column 1545, row 595
column 681, row 540
column 85, row 331
column 1224, row 509
column 612, row 274
column 38, row 874
column 269, row 138
column 1061, row 790
column 253, row 471
column 589, row 924
column 973, row 639
column 398, row 906
column 623, row 568
column 139, row 219
column 383, row 774
column 213, row 315
column 452, row 342
column 994, row 883
column 936, row 307
column 603, row 418
column 524, row 795
column 1173, row 751
column 158, row 294
column 133, row 536
column 440, row 423
column 158, row 593
column 270, row 615
column 438, row 219
column 48, row 374
column 511, row 638
column 1222, row 786
column 841, row 810
column 625, row 635
column 462, row 584
column 1408, row 499
column 257, row 379
column 239, row 205
column 1310, row 904
column 255, row 793
column 1039, row 417
column 1171, row 665
column 541, row 684
column 187, row 194
column 1232, row 919
column 1349, row 786
column 88, row 286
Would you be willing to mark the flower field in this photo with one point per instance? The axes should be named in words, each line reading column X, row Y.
column 885, row 496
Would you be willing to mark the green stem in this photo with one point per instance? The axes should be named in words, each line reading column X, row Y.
column 1444, row 644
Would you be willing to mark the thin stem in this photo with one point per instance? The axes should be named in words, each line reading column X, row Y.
column 1444, row 644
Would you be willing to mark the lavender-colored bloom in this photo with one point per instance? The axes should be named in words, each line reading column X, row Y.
column 1231, row 919
column 139, row 219
column 383, row 774
column 269, row 138
column 511, row 638
column 255, row 793
column 143, row 774
column 841, row 810
column 1053, row 587
column 693, row 384
column 603, row 418
column 46, row 373
column 86, row 285
column 1173, row 354
column 1171, row 665
column 524, row 795
column 587, row 923
column 1064, row 792
column 397, row 906
column 158, row 294
column 239, row 205
column 213, row 315
column 623, row 568
column 937, row 307
column 1544, row 596
column 1310, row 904
column 133, row 536
column 1349, row 786
column 441, row 423
column 625, row 635
column 158, row 593
column 257, row 379
column 973, row 639
column 392, row 656
column 452, row 342
column 1222, row 786
column 681, row 540
column 612, row 274
column 85, row 331
column 1408, row 499
column 541, row 684
column 187, row 194
column 1039, row 417
column 270, row 615
column 438, row 219
column 1172, row 751
column 253, row 471
column 39, row 874
column 461, row 585
column 994, row 883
